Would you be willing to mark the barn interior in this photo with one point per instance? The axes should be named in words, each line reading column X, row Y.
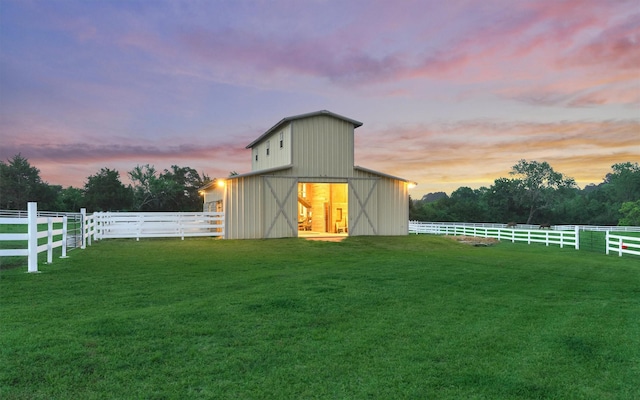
column 322, row 208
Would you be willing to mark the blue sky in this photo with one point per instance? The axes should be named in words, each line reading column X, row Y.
column 450, row 93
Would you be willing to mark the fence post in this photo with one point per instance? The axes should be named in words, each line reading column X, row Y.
column 32, row 233
column 91, row 229
column 83, row 212
column 49, row 240
column 97, row 225
column 577, row 228
column 606, row 242
column 619, row 247
column 65, row 226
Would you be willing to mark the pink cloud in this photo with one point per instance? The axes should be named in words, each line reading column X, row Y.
column 448, row 156
column 71, row 163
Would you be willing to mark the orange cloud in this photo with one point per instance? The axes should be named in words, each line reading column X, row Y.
column 442, row 157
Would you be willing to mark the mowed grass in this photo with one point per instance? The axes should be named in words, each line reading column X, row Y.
column 412, row 317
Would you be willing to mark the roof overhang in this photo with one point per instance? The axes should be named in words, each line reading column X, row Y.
column 301, row 116
column 359, row 168
column 262, row 171
column 208, row 185
column 252, row 173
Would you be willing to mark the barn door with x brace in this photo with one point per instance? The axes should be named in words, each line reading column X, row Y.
column 280, row 202
column 363, row 206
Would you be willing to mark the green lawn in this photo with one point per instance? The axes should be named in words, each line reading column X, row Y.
column 414, row 317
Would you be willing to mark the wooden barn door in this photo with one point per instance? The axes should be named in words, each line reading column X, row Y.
column 363, row 206
column 280, row 206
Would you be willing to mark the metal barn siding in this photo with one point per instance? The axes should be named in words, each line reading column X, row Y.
column 387, row 210
column 243, row 208
column 316, row 148
column 279, row 151
column 280, row 203
column 322, row 147
column 363, row 206
column 393, row 207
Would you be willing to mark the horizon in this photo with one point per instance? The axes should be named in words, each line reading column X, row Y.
column 450, row 94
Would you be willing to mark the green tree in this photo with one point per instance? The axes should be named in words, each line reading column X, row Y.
column 104, row 192
column 502, row 201
column 185, row 183
column 439, row 210
column 539, row 182
column 172, row 190
column 20, row 183
column 625, row 181
column 71, row 199
column 468, row 205
column 148, row 188
column 630, row 211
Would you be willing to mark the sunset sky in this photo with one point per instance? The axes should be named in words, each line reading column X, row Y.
column 451, row 93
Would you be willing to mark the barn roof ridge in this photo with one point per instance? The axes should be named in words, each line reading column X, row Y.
column 301, row 116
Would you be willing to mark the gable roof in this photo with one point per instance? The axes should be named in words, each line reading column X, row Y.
column 301, row 116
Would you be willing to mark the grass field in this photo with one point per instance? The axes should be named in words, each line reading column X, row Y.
column 411, row 317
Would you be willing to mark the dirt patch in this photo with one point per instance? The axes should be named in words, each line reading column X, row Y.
column 474, row 241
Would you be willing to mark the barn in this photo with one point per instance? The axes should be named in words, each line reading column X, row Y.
column 303, row 182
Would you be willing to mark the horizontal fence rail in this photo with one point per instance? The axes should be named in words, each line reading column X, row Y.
column 595, row 228
column 622, row 244
column 27, row 244
column 74, row 223
column 112, row 225
column 501, row 232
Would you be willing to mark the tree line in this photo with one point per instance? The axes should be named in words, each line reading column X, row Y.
column 174, row 189
column 536, row 194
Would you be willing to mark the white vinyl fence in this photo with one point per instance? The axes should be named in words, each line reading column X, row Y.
column 622, row 244
column 111, row 225
column 100, row 225
column 499, row 231
column 56, row 236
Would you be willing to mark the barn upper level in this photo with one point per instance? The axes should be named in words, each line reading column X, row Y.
column 320, row 143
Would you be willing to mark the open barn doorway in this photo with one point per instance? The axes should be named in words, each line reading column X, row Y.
column 323, row 208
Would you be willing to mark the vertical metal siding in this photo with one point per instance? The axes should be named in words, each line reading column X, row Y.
column 323, row 146
column 277, row 156
column 391, row 212
column 243, row 210
column 393, row 207
column 363, row 206
column 280, row 196
column 321, row 150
